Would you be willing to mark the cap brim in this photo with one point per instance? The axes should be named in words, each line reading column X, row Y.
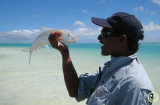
column 101, row 22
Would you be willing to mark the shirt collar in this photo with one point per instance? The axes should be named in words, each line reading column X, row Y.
column 117, row 61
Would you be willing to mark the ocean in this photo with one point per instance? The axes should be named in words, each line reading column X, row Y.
column 42, row 82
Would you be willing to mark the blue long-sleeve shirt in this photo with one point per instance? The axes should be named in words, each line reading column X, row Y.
column 122, row 81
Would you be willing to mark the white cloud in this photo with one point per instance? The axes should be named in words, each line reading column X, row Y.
column 102, row 1
column 36, row 15
column 19, row 36
column 151, row 38
column 28, row 36
column 151, row 27
column 141, row 9
column 84, row 11
column 86, row 31
column 79, row 23
column 156, row 2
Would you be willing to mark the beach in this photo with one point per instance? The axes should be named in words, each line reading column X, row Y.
column 41, row 82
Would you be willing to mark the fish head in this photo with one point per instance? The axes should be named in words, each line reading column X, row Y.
column 68, row 37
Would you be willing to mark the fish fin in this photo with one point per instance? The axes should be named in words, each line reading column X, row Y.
column 30, row 57
column 59, row 43
column 44, row 28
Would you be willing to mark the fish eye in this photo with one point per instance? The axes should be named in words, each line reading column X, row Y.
column 68, row 35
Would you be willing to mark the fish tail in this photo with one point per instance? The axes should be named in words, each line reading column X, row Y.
column 30, row 57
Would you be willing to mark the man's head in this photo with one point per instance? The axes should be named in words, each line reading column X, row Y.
column 125, row 29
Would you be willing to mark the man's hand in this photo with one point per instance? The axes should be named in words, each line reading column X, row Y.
column 54, row 38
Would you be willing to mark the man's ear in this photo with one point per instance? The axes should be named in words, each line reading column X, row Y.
column 123, row 38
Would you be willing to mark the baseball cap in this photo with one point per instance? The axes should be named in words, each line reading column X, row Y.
column 123, row 23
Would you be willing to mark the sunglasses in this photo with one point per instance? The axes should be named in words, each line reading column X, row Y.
column 106, row 33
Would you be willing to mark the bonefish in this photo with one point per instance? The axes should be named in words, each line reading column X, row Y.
column 42, row 39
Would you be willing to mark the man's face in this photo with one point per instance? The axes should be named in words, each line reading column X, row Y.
column 110, row 44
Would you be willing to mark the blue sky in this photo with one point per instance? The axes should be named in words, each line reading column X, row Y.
column 20, row 20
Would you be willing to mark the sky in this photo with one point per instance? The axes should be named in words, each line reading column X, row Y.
column 21, row 20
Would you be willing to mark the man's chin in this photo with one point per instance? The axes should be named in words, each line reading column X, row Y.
column 104, row 54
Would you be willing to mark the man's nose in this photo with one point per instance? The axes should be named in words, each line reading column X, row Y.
column 99, row 37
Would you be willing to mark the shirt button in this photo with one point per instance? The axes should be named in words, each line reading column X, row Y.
column 113, row 77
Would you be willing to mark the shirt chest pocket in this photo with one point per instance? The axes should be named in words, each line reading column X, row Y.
column 106, row 89
column 111, row 85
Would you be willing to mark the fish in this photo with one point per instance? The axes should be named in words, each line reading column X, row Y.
column 42, row 39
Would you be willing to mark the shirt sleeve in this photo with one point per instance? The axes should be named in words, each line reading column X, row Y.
column 132, row 94
column 87, row 84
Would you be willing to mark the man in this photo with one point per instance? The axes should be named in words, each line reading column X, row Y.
column 122, row 80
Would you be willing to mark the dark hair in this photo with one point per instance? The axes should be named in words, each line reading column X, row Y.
column 133, row 45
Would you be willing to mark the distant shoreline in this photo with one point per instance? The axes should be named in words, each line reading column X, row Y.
column 70, row 44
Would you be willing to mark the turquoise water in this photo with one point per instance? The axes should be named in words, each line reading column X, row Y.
column 42, row 83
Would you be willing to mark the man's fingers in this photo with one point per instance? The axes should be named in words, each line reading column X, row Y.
column 54, row 38
column 59, row 38
column 54, row 35
column 58, row 33
column 51, row 36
